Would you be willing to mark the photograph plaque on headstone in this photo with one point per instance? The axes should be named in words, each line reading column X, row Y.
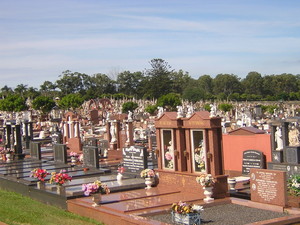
column 134, row 159
column 252, row 159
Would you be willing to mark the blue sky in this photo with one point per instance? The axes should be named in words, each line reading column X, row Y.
column 39, row 39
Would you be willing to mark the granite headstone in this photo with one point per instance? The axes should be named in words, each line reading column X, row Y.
column 90, row 156
column 60, row 153
column 134, row 159
column 252, row 159
column 35, row 150
column 268, row 186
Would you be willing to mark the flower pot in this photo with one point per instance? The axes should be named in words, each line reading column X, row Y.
column 73, row 159
column 60, row 190
column 119, row 177
column 8, row 157
column 149, row 181
column 40, row 185
column 96, row 198
column 208, row 191
column 189, row 219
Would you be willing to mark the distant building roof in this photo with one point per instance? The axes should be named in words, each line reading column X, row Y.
column 246, row 131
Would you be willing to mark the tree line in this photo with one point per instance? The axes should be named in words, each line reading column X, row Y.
column 159, row 80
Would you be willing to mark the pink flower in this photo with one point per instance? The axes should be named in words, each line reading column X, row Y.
column 168, row 156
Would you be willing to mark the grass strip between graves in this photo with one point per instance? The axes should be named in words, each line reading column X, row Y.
column 18, row 209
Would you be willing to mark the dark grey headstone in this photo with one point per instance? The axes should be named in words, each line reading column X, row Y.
column 35, row 150
column 60, row 153
column 56, row 138
column 292, row 154
column 102, row 145
column 134, row 159
column 277, row 156
column 90, row 156
column 252, row 159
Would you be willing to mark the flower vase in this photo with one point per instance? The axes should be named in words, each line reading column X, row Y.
column 8, row 157
column 73, row 159
column 40, row 185
column 208, row 191
column 148, row 182
column 60, row 190
column 187, row 219
column 96, row 198
column 119, row 177
column 232, row 183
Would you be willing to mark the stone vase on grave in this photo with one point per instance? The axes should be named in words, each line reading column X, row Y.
column 60, row 190
column 8, row 157
column 73, row 159
column 149, row 181
column 96, row 198
column 40, row 185
column 119, row 177
column 232, row 183
column 208, row 191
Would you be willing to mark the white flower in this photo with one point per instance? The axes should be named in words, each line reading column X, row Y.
column 197, row 208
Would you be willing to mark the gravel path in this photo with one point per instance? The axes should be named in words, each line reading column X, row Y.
column 228, row 214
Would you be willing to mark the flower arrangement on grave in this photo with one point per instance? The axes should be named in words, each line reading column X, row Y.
column 185, row 213
column 169, row 152
column 95, row 187
column 39, row 173
column 186, row 208
column 200, row 157
column 294, row 185
column 206, row 180
column 59, row 178
column 73, row 154
column 147, row 173
column 121, row 169
column 74, row 157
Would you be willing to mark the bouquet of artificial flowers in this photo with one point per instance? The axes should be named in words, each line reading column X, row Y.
column 96, row 187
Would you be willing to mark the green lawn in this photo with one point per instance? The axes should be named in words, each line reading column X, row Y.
column 18, row 209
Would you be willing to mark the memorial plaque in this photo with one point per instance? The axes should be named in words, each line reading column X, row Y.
column 268, row 186
column 252, row 159
column 292, row 155
column 134, row 159
column 35, row 150
column 90, row 156
column 60, row 153
column 277, row 156
column 290, row 169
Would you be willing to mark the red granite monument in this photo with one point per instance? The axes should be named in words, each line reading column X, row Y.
column 187, row 147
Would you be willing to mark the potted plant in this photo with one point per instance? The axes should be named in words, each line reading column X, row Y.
column 40, row 174
column 186, row 213
column 207, row 182
column 59, row 179
column 148, row 175
column 96, row 189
